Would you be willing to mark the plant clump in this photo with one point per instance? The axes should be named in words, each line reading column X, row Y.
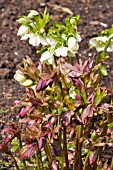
column 65, row 117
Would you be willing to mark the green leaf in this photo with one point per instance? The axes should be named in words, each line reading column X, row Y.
column 98, row 97
column 31, row 168
column 110, row 125
column 84, row 96
column 46, row 17
column 3, row 111
column 15, row 144
column 60, row 108
column 104, row 71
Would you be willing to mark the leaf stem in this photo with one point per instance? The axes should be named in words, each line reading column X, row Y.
column 23, row 161
column 14, row 160
column 79, row 142
column 86, row 160
column 48, row 152
column 65, row 148
column 37, row 161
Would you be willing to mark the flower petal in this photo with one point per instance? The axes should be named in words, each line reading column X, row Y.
column 34, row 40
column 45, row 56
column 61, row 51
column 110, row 47
column 43, row 41
column 32, row 13
column 19, row 76
column 23, row 30
column 72, row 44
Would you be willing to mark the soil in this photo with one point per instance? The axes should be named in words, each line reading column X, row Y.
column 96, row 15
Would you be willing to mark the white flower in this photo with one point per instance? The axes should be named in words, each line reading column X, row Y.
column 23, row 31
column 98, row 42
column 47, row 57
column 35, row 40
column 72, row 20
column 78, row 37
column 64, row 37
column 22, row 79
column 32, row 13
column 73, row 45
column 61, row 51
column 51, row 41
column 19, row 77
column 110, row 47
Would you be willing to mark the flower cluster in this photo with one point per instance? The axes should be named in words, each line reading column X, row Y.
column 104, row 40
column 58, row 41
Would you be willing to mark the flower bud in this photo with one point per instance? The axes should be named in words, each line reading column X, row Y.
column 57, row 150
column 19, row 77
column 28, row 82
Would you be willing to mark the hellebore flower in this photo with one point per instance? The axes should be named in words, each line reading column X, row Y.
column 47, row 57
column 23, row 31
column 51, row 41
column 43, row 84
column 110, row 47
column 22, row 79
column 19, row 77
column 78, row 37
column 35, row 40
column 98, row 42
column 73, row 45
column 61, row 51
column 32, row 13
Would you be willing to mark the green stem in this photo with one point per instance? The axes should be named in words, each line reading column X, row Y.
column 106, row 46
column 65, row 148
column 71, row 60
column 98, row 58
column 23, row 161
column 101, row 57
column 86, row 160
column 48, row 152
column 37, row 161
column 77, row 157
column 41, row 160
column 14, row 161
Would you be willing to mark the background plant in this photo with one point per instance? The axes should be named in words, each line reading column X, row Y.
column 65, row 116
